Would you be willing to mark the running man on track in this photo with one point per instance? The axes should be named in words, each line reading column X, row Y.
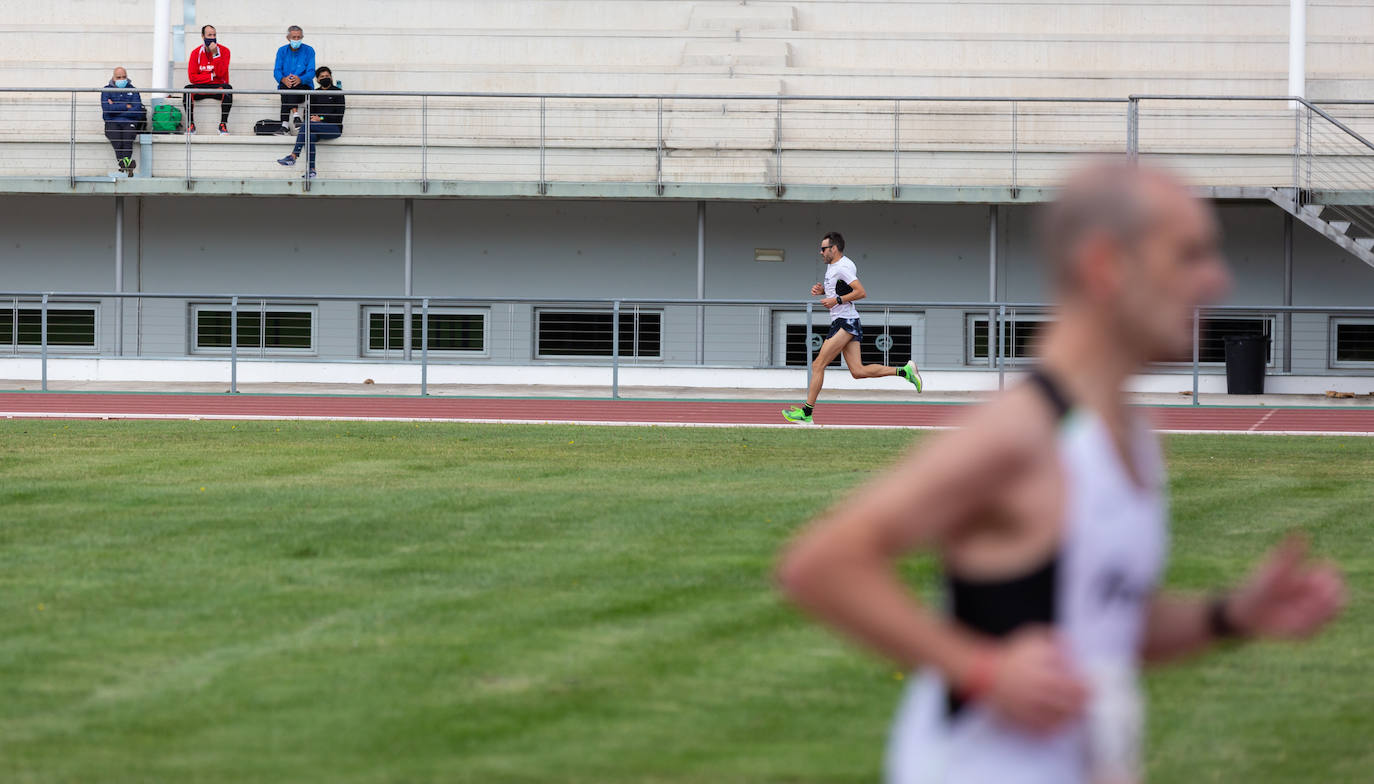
column 842, row 289
column 1048, row 514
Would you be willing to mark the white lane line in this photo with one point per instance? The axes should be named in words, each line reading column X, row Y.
column 598, row 423
column 1263, row 419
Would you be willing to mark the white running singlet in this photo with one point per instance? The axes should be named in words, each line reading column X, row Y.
column 1095, row 592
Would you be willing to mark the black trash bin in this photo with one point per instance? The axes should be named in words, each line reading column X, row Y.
column 1246, row 356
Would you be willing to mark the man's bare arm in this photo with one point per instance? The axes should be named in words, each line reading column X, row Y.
column 1284, row 598
column 842, row 570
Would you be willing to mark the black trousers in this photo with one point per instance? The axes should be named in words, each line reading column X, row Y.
column 226, row 100
column 122, row 136
column 288, row 101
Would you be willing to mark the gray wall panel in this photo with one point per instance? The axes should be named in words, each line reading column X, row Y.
column 592, row 249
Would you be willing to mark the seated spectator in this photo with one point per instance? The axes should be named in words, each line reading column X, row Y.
column 326, row 118
column 295, row 70
column 124, row 118
column 208, row 67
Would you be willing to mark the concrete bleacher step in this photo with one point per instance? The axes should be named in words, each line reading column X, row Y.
column 774, row 54
column 741, row 18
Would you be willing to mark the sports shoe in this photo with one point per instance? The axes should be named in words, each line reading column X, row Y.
column 191, row 129
column 909, row 372
column 798, row 415
column 223, row 129
column 129, row 164
column 311, row 175
column 289, row 160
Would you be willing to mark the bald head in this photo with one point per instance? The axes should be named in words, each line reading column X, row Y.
column 1116, row 202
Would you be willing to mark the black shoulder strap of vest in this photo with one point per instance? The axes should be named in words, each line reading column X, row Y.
column 1058, row 400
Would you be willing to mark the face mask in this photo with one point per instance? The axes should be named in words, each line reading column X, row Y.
column 325, row 81
column 210, row 42
column 295, row 44
column 121, row 83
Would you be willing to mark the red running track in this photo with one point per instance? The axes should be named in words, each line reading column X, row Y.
column 687, row 412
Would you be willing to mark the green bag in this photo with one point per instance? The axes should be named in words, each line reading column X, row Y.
column 166, row 119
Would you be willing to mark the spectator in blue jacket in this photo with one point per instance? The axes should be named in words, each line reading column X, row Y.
column 123, row 113
column 294, row 70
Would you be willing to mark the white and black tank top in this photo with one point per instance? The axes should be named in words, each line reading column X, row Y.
column 1094, row 591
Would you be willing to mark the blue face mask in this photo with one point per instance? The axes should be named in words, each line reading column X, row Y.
column 121, row 83
column 295, row 44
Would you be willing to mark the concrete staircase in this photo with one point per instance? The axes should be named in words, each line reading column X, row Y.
column 1356, row 240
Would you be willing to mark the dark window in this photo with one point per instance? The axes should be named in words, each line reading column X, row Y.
column 588, row 334
column 66, row 327
column 897, row 354
column 1212, row 333
column 1019, row 338
column 1354, row 341
column 271, row 329
column 447, row 331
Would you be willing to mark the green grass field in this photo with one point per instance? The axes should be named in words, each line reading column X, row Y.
column 317, row 602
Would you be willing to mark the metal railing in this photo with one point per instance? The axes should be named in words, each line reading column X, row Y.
column 659, row 140
column 1267, row 141
column 428, row 332
column 885, row 142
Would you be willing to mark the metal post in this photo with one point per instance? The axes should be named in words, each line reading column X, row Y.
column 615, row 349
column 71, row 172
column 406, row 329
column 1197, row 330
column 1297, row 153
column 43, row 339
column 809, row 358
column 1307, row 180
column 1001, row 362
column 896, row 149
column 659, row 160
column 777, row 134
column 188, row 102
column 887, row 333
column 424, row 345
column 1287, row 292
column 119, row 275
column 305, row 175
column 701, row 282
column 1132, row 129
column 234, row 345
column 424, row 145
column 1015, row 191
column 543, row 111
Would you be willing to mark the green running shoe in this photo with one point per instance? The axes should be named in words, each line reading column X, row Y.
column 908, row 372
column 797, row 415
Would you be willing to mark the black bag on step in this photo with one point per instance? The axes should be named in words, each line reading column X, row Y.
column 268, row 128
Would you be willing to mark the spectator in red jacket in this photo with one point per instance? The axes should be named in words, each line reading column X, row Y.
column 208, row 67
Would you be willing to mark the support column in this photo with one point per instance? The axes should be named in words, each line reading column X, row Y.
column 119, row 275
column 162, row 37
column 1297, row 48
column 993, row 215
column 994, row 323
column 1287, row 292
column 409, row 273
column 701, row 282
